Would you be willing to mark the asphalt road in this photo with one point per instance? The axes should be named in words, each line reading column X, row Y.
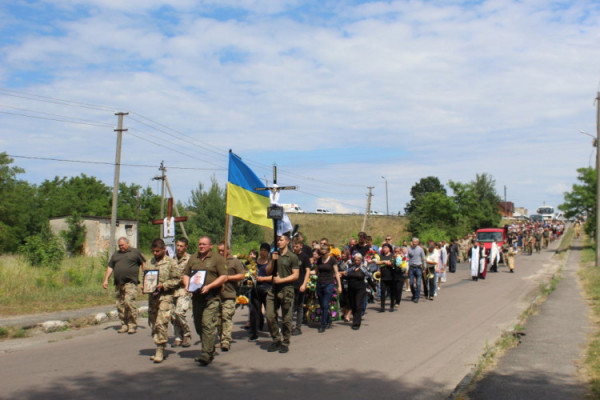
column 420, row 352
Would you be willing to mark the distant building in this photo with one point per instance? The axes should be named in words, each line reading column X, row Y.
column 521, row 211
column 97, row 230
column 506, row 208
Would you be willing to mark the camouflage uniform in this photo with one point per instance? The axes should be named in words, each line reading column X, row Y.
column 125, row 295
column 462, row 246
column 126, row 267
column 546, row 237
column 182, row 304
column 205, row 307
column 228, row 296
column 160, row 305
column 282, row 295
column 538, row 241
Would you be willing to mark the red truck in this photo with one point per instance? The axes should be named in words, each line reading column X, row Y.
column 487, row 235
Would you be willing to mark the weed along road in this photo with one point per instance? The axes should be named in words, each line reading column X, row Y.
column 420, row 352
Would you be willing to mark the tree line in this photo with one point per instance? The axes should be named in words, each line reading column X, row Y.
column 433, row 214
column 26, row 208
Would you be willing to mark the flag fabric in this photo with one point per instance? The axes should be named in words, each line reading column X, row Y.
column 243, row 201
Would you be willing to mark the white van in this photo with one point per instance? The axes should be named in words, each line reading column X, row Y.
column 292, row 208
column 323, row 211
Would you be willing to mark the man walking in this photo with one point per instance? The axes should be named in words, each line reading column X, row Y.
column 182, row 299
column 235, row 274
column 416, row 260
column 283, row 265
column 125, row 264
column 206, row 300
column 300, row 283
column 160, row 302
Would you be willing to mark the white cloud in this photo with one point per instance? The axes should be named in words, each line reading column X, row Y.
column 500, row 87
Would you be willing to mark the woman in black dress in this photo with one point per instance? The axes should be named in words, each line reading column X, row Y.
column 356, row 274
column 388, row 283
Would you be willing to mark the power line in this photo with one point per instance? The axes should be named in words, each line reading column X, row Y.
column 101, row 125
column 56, row 115
column 162, row 145
column 216, row 149
column 53, row 100
column 164, row 129
column 108, row 163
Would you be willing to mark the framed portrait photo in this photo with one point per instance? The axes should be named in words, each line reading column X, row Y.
column 150, row 281
column 196, row 280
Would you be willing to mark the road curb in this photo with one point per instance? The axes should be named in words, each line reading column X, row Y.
column 37, row 324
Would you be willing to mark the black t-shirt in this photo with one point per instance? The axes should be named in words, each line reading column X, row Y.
column 303, row 263
column 361, row 249
column 386, row 271
column 325, row 270
column 126, row 265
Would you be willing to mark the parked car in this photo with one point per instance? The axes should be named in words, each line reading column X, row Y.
column 323, row 211
column 375, row 212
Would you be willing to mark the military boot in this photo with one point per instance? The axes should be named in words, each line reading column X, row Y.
column 159, row 356
column 187, row 341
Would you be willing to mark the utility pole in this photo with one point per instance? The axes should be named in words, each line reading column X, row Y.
column 115, row 197
column 368, row 210
column 387, row 204
column 505, row 205
column 161, row 178
column 597, row 178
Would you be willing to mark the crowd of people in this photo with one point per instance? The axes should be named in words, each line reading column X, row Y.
column 294, row 281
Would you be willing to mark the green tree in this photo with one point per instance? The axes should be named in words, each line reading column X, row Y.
column 206, row 216
column 74, row 236
column 581, row 200
column 434, row 211
column 477, row 202
column 16, row 207
column 43, row 249
column 82, row 194
column 430, row 184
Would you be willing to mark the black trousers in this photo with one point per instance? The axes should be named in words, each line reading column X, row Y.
column 389, row 288
column 356, row 297
column 258, row 298
column 399, row 288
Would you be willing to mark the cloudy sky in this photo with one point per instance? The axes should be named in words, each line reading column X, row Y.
column 340, row 95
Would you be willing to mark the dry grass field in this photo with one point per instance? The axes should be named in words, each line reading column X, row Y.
column 339, row 227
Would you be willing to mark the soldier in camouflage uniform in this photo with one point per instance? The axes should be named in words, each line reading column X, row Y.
column 125, row 264
column 281, row 294
column 206, row 301
column 182, row 299
column 235, row 274
column 160, row 303
column 538, row 241
column 546, row 235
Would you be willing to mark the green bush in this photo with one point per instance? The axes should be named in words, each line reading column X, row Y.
column 43, row 250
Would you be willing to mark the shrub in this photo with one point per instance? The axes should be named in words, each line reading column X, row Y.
column 43, row 250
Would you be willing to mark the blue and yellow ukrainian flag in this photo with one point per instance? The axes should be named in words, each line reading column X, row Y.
column 242, row 200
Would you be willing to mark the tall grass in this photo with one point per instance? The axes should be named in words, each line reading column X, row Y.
column 339, row 228
column 590, row 279
column 75, row 284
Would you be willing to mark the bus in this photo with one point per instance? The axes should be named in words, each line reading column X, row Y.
column 547, row 212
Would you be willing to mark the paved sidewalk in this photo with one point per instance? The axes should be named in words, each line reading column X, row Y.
column 544, row 365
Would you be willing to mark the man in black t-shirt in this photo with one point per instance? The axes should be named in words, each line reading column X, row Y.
column 126, row 265
column 362, row 246
column 300, row 284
